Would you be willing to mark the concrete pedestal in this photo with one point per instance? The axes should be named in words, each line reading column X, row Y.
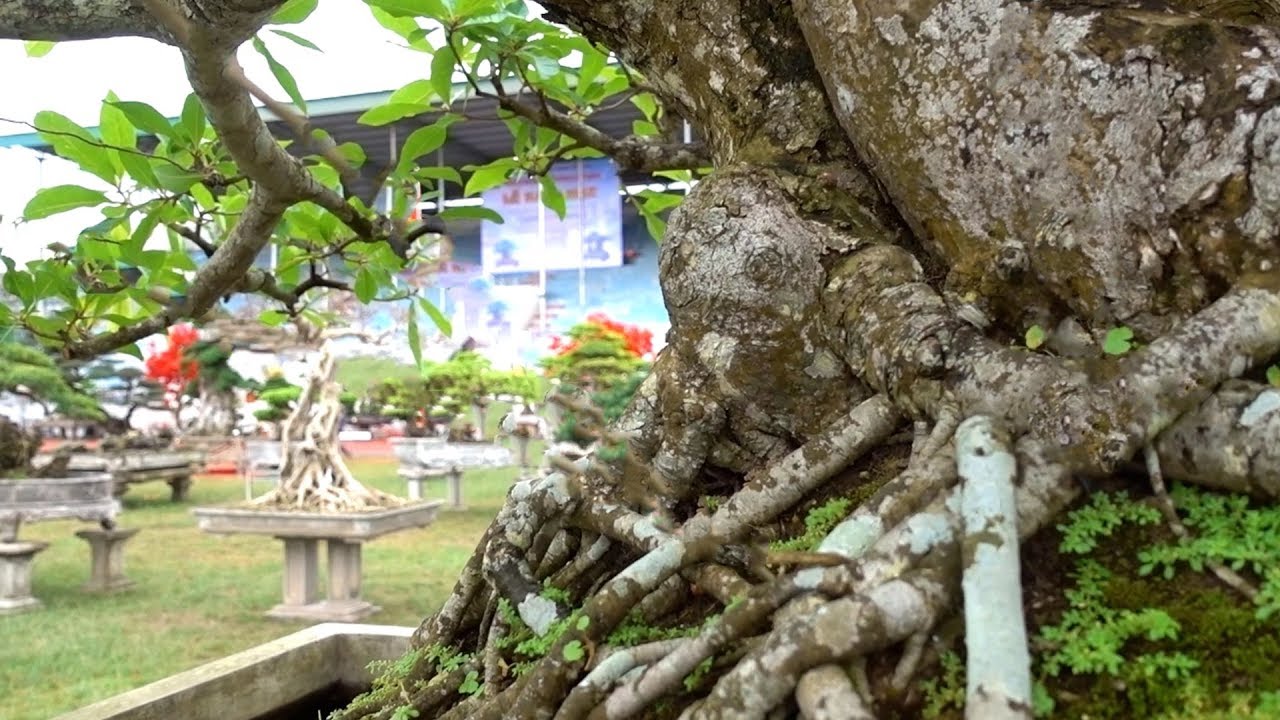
column 416, row 485
column 454, row 480
column 106, row 558
column 15, row 576
column 301, row 582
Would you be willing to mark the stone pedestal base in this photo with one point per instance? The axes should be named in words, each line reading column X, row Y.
column 15, row 576
column 453, row 483
column 106, row 558
column 454, row 480
column 301, row 582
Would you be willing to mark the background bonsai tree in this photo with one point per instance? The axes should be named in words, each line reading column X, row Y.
column 465, row 381
column 120, row 382
column 29, row 372
column 601, row 362
column 281, row 396
column 215, row 387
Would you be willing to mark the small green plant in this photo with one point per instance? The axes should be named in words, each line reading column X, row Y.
column 1104, row 514
column 947, row 689
column 694, row 679
column 404, row 712
column 1035, row 337
column 1224, row 529
column 1119, row 341
column 1273, row 375
column 1091, row 635
column 554, row 594
column 471, row 683
column 817, row 525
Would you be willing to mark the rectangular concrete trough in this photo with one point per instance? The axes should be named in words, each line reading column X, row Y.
column 261, row 680
column 325, row 526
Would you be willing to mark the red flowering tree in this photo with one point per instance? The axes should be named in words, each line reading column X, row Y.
column 172, row 368
column 599, row 353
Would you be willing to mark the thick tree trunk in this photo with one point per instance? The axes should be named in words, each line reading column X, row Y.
column 900, row 191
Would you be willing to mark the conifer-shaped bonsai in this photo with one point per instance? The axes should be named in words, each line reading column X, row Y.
column 28, row 372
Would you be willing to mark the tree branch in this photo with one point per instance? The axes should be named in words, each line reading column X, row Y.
column 632, row 152
column 78, row 20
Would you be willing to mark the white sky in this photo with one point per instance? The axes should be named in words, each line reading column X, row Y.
column 359, row 56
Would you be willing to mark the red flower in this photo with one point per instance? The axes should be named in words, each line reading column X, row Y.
column 169, row 366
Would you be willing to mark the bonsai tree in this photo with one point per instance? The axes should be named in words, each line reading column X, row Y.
column 598, row 353
column 602, row 362
column 215, row 386
column 466, row 380
column 1039, row 237
column 281, row 396
column 29, row 372
column 118, row 381
column 314, row 475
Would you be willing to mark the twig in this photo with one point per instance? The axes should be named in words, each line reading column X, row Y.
column 1170, row 511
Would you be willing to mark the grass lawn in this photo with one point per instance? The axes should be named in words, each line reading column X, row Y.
column 199, row 597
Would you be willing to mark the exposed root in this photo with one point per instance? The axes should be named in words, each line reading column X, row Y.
column 314, row 476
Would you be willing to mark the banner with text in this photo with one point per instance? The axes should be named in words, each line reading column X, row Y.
column 590, row 235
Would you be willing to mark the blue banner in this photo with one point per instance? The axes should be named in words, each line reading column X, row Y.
column 589, row 236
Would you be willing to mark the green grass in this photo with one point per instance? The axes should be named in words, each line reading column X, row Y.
column 199, row 597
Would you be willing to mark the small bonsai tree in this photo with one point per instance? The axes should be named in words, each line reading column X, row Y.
column 465, row 380
column 281, row 396
column 602, row 361
column 29, row 372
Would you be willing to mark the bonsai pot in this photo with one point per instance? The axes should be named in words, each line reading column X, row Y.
column 304, row 675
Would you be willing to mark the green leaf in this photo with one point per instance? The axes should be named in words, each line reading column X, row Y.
column 1035, row 337
column 297, row 39
column 391, row 112
column 61, row 198
column 173, row 178
column 139, row 168
column 294, row 11
column 593, row 61
column 416, row 92
column 146, row 118
column 474, row 212
column 434, row 172
column 366, row 285
column 282, row 74
column 584, row 622
column 353, row 153
column 442, row 72
column 115, row 126
column 193, row 119
column 272, row 318
column 76, row 144
column 646, row 103
column 488, row 176
column 437, row 317
column 38, row 48
column 422, row 141
column 132, row 350
column 573, row 651
column 1273, row 375
column 1118, row 341
column 551, row 196
column 415, row 343
column 434, row 9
